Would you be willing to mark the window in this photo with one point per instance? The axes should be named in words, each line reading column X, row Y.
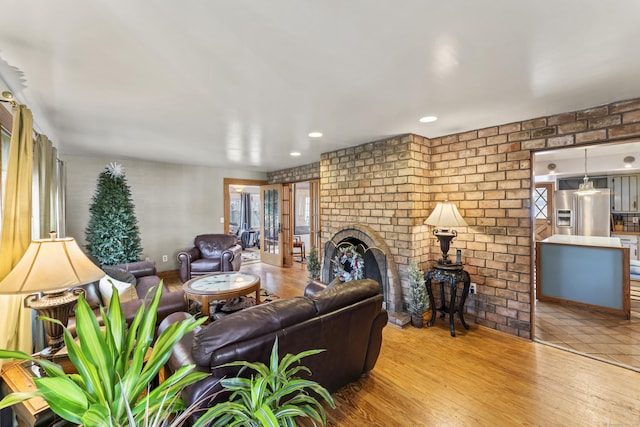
column 302, row 208
column 540, row 198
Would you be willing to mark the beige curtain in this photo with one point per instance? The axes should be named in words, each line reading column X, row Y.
column 61, row 225
column 45, row 183
column 15, row 319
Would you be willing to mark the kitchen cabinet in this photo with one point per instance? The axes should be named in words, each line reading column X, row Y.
column 624, row 193
column 629, row 241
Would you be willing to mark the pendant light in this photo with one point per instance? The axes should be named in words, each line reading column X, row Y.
column 587, row 186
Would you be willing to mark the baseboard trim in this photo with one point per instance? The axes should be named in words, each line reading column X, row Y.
column 169, row 274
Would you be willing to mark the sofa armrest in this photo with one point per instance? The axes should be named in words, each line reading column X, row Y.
column 181, row 353
column 231, row 259
column 375, row 341
column 181, row 356
column 313, row 287
column 185, row 258
column 138, row 268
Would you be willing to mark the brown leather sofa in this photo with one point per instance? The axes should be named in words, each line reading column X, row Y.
column 145, row 276
column 211, row 253
column 346, row 320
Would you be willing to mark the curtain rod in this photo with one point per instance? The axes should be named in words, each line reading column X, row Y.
column 8, row 97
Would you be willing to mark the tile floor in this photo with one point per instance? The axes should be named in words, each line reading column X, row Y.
column 600, row 336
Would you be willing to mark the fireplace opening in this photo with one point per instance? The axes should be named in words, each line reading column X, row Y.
column 377, row 258
column 375, row 261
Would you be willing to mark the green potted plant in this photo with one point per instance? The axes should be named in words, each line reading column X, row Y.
column 313, row 265
column 417, row 299
column 274, row 396
column 111, row 386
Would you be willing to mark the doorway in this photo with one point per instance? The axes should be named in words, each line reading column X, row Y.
column 233, row 190
column 600, row 336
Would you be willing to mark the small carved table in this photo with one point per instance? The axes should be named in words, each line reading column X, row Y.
column 451, row 274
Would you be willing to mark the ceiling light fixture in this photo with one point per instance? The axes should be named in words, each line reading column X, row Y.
column 315, row 134
column 428, row 119
column 628, row 161
column 294, row 153
column 587, row 186
column 551, row 167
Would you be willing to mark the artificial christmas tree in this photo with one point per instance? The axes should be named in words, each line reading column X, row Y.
column 112, row 233
column 417, row 299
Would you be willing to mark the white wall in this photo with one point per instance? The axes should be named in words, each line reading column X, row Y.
column 173, row 203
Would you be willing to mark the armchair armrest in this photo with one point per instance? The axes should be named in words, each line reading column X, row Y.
column 185, row 258
column 231, row 258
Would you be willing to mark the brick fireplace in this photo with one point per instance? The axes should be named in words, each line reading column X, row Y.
column 378, row 261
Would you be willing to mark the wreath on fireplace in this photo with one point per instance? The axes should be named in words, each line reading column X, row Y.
column 348, row 264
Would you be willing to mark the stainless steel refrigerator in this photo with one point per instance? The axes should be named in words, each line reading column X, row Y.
column 582, row 214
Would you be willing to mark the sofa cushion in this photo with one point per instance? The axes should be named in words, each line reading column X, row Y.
column 126, row 291
column 205, row 265
column 119, row 274
column 343, row 294
column 252, row 322
column 92, row 294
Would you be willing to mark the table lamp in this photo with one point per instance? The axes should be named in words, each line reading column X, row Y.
column 445, row 215
column 51, row 267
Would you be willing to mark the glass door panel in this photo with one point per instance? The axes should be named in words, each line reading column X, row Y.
column 271, row 229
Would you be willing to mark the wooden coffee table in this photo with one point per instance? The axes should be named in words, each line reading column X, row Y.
column 221, row 286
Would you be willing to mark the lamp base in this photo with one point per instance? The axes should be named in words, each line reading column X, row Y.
column 53, row 305
column 445, row 236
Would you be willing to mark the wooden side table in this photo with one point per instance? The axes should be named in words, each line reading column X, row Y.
column 451, row 274
column 18, row 377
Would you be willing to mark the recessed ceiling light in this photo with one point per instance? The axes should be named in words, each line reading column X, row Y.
column 294, row 153
column 428, row 119
column 315, row 134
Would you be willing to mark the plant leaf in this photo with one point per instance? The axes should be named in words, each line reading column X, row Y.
column 96, row 416
column 94, row 349
column 15, row 354
column 13, row 398
column 64, row 397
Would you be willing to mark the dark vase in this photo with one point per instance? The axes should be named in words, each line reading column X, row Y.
column 417, row 320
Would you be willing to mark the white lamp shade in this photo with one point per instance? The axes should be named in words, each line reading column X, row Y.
column 51, row 264
column 446, row 215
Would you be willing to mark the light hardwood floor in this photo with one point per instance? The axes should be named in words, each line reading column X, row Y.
column 424, row 377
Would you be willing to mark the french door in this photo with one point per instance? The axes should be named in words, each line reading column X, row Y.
column 271, row 233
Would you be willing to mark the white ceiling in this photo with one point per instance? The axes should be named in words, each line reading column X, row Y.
column 241, row 83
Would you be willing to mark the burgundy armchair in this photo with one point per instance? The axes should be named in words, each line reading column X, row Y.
column 211, row 253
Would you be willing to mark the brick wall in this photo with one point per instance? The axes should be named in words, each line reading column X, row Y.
column 488, row 173
column 392, row 186
column 297, row 174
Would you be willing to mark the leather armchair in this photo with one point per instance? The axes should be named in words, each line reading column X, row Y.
column 211, row 253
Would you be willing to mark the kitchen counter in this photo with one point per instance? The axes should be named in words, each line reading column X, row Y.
column 587, row 271
column 610, row 242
